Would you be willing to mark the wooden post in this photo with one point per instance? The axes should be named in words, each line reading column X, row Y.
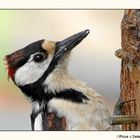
column 130, row 67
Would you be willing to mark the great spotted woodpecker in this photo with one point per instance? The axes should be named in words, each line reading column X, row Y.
column 40, row 70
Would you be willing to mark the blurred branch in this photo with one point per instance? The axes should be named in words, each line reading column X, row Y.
column 123, row 119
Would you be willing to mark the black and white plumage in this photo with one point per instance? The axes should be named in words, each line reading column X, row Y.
column 40, row 70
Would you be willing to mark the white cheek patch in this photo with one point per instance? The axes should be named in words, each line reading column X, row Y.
column 31, row 71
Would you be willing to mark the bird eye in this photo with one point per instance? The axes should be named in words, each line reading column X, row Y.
column 39, row 58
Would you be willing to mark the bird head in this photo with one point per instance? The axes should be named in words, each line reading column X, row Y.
column 36, row 61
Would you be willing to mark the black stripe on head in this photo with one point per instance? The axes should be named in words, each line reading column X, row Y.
column 20, row 57
column 33, row 48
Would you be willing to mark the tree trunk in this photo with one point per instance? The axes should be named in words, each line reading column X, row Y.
column 130, row 67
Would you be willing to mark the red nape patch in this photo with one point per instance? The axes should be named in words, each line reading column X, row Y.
column 11, row 71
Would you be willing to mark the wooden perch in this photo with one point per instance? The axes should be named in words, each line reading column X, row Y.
column 128, row 57
column 130, row 71
column 123, row 119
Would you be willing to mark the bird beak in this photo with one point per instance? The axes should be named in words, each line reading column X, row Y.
column 69, row 43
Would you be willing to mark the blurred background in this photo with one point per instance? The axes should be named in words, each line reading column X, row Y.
column 92, row 61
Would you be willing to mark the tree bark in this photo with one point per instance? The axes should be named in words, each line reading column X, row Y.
column 130, row 66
